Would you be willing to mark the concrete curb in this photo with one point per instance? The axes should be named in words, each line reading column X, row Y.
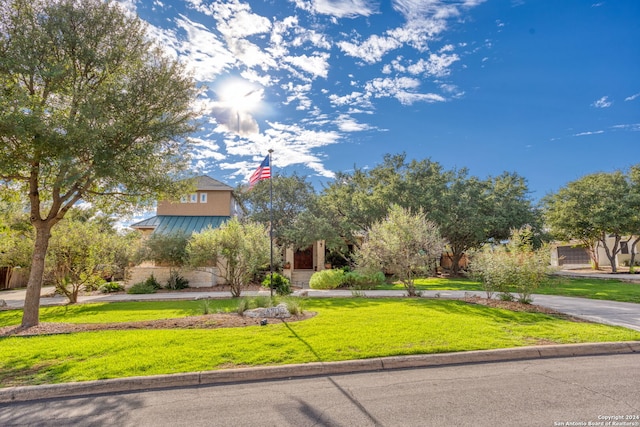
column 131, row 384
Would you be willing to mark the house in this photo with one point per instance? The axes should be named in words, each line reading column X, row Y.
column 211, row 205
column 572, row 255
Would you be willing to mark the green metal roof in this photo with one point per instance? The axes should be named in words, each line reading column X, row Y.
column 169, row 224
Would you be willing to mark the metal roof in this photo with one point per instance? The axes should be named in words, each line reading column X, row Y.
column 169, row 224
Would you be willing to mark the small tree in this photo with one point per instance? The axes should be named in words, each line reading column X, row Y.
column 76, row 251
column 404, row 243
column 238, row 250
column 516, row 266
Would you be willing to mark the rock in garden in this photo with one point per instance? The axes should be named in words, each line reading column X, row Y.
column 279, row 311
column 3, row 303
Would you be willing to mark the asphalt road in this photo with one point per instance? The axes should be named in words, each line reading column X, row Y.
column 547, row 392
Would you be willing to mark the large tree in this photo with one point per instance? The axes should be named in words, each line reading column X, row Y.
column 89, row 107
column 597, row 209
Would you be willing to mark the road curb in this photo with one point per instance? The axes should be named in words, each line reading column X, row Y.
column 226, row 376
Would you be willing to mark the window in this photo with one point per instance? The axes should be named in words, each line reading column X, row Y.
column 203, row 197
column 624, row 248
column 183, row 199
column 193, row 198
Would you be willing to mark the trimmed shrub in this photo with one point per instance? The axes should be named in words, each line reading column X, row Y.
column 326, row 279
column 359, row 280
column 281, row 283
column 110, row 287
column 153, row 283
column 142, row 288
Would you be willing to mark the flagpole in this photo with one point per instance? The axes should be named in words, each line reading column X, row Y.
column 271, row 222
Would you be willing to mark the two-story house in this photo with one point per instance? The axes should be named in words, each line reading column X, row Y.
column 211, row 205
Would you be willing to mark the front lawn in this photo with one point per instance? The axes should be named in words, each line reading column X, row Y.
column 343, row 329
column 604, row 289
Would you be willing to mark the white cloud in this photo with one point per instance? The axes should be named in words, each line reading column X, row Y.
column 317, row 65
column 602, row 103
column 401, row 88
column 338, row 8
column 632, row 97
column 347, row 123
column 371, row 50
column 597, row 132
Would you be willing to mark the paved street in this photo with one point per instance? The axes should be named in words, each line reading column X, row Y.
column 545, row 392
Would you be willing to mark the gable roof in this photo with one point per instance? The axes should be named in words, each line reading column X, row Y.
column 204, row 183
column 169, row 224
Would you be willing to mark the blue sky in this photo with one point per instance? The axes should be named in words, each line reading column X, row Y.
column 549, row 89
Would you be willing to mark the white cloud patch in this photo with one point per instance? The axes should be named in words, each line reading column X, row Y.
column 371, row 50
column 632, row 97
column 597, row 132
column 338, row 8
column 401, row 88
column 602, row 103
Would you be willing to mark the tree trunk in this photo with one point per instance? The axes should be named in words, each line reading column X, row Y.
column 632, row 251
column 611, row 252
column 455, row 262
column 31, row 312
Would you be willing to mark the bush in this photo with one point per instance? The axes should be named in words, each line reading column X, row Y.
column 153, row 283
column 359, row 280
column 281, row 283
column 326, row 279
column 110, row 287
column 142, row 288
column 176, row 281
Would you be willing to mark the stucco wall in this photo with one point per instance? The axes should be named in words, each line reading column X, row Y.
column 201, row 278
column 218, row 204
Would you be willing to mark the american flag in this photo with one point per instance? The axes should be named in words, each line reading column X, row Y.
column 263, row 172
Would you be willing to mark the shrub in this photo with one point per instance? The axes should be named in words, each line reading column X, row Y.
column 360, row 280
column 294, row 305
column 176, row 281
column 110, row 287
column 142, row 288
column 152, row 282
column 281, row 284
column 326, row 279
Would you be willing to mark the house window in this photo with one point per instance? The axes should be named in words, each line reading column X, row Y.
column 193, row 198
column 183, row 199
column 624, row 248
column 203, row 197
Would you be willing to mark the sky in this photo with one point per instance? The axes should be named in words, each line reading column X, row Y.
column 549, row 89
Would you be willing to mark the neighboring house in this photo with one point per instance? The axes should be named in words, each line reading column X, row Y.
column 574, row 255
column 211, row 205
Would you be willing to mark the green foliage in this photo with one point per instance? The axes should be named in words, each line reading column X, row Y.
column 166, row 249
column 110, row 287
column 239, row 250
column 152, row 282
column 595, row 208
column 281, row 284
column 358, row 280
column 142, row 288
column 404, row 244
column 176, row 281
column 326, row 279
column 518, row 267
column 79, row 249
column 90, row 110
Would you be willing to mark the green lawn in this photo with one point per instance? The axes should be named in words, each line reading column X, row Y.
column 605, row 289
column 344, row 328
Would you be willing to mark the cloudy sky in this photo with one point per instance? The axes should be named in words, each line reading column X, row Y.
column 545, row 88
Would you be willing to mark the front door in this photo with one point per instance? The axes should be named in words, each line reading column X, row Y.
column 303, row 259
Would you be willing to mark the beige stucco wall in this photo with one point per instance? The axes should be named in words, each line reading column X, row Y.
column 218, row 204
column 200, row 278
